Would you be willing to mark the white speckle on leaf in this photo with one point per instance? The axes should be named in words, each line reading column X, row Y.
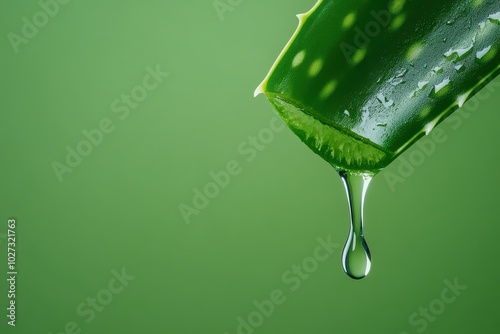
column 316, row 67
column 298, row 59
column 328, row 89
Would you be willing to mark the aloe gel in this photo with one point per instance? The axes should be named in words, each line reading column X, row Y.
column 360, row 81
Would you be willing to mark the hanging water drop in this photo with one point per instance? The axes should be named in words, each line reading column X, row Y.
column 356, row 258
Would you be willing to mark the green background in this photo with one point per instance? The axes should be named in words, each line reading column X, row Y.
column 120, row 207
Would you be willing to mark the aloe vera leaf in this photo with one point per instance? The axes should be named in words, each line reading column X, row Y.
column 360, row 81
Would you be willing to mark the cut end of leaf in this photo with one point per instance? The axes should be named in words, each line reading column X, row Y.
column 343, row 150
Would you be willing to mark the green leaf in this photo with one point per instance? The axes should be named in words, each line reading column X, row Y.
column 360, row 81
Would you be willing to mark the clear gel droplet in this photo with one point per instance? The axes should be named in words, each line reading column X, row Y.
column 356, row 258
